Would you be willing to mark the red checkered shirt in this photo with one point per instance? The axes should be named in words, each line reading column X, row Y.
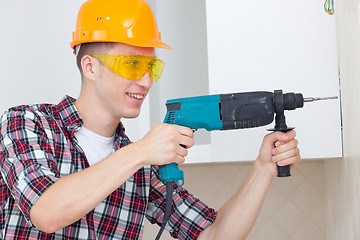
column 38, row 147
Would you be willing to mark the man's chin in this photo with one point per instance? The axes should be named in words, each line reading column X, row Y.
column 131, row 115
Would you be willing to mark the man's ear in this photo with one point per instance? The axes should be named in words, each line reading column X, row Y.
column 88, row 66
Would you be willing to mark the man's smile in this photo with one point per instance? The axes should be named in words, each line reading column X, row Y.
column 136, row 96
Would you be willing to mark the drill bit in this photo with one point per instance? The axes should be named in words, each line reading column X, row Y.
column 312, row 99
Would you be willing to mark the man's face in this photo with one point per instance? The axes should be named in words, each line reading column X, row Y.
column 122, row 98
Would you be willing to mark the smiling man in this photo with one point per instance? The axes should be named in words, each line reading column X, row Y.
column 70, row 172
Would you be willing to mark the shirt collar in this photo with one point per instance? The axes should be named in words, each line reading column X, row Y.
column 73, row 121
column 69, row 113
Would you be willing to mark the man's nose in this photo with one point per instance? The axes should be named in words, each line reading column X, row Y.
column 145, row 81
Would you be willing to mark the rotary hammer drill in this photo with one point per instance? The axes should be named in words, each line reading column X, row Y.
column 231, row 111
column 226, row 112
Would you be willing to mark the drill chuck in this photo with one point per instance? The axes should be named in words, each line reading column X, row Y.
column 292, row 101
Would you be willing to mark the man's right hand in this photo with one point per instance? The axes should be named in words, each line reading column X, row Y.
column 161, row 145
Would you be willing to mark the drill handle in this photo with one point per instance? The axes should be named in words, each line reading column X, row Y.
column 283, row 171
column 280, row 123
column 171, row 173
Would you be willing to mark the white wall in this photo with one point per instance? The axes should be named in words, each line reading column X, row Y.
column 281, row 44
column 37, row 63
column 343, row 177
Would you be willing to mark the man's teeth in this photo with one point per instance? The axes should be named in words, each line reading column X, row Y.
column 137, row 96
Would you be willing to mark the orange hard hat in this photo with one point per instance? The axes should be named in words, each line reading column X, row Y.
column 126, row 21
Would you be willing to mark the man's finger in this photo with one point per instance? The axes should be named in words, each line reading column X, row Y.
column 187, row 142
column 271, row 139
column 285, row 155
column 290, row 161
column 185, row 131
column 285, row 147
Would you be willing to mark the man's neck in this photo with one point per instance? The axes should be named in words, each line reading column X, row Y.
column 95, row 118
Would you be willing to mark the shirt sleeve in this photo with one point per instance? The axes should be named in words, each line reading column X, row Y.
column 28, row 167
column 189, row 216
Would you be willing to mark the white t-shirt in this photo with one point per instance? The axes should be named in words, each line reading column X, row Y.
column 96, row 147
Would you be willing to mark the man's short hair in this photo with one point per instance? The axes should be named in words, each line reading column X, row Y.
column 90, row 49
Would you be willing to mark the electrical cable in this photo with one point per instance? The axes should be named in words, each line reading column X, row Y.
column 329, row 7
column 169, row 194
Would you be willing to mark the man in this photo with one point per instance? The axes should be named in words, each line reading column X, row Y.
column 70, row 172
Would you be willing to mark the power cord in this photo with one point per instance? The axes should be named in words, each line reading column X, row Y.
column 169, row 194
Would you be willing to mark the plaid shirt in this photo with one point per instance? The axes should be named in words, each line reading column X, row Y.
column 38, row 147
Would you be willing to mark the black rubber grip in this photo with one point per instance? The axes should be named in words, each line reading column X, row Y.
column 283, row 171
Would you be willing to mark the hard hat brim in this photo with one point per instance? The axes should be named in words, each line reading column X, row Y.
column 154, row 44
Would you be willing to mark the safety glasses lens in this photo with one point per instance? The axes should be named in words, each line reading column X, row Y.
column 156, row 68
column 133, row 67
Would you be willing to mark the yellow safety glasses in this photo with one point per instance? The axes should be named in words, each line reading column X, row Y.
column 132, row 67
